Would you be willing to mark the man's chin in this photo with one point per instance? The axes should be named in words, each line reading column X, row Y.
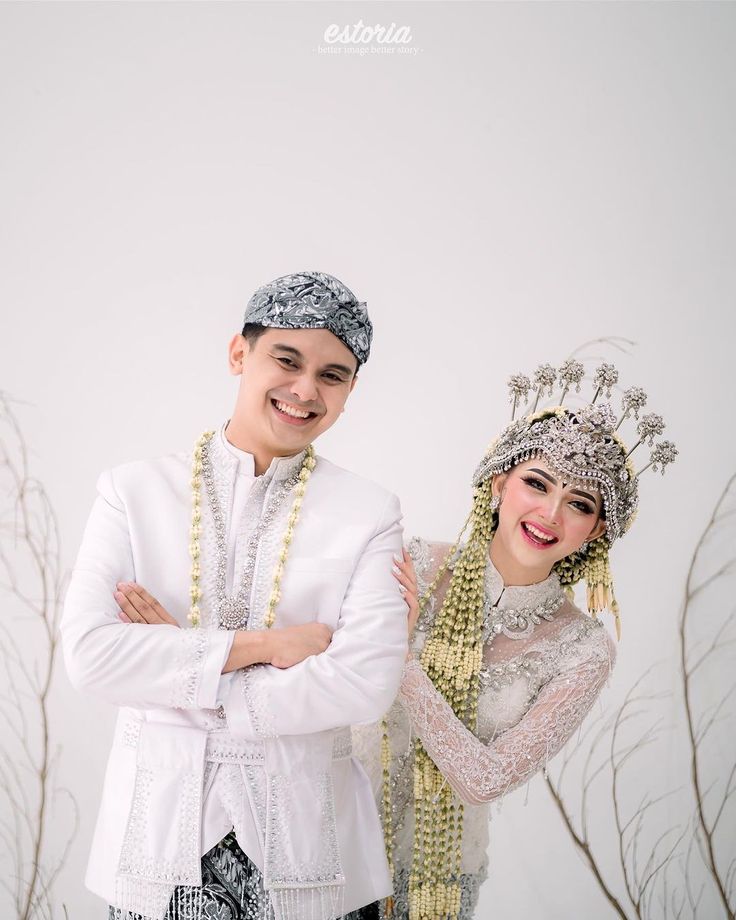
column 290, row 440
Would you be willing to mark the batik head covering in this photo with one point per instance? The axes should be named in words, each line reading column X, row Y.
column 313, row 300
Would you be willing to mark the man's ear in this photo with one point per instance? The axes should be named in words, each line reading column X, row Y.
column 236, row 352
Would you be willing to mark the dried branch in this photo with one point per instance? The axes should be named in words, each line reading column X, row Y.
column 692, row 590
column 30, row 566
column 689, row 851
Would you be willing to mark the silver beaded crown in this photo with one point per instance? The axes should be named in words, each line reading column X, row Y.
column 581, row 445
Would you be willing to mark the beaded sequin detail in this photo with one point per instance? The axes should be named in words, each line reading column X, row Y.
column 534, row 604
column 232, row 611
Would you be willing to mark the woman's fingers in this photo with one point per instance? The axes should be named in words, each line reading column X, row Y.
column 404, row 573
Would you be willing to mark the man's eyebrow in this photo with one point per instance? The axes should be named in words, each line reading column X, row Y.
column 289, row 349
column 340, row 367
column 554, row 483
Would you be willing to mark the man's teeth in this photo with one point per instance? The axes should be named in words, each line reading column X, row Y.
column 290, row 410
column 538, row 533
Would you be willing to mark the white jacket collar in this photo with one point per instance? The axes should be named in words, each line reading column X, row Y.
column 231, row 460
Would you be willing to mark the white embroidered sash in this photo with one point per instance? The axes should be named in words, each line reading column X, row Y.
column 158, row 855
column 161, row 848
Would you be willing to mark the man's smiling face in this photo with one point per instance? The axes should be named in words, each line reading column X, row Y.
column 293, row 386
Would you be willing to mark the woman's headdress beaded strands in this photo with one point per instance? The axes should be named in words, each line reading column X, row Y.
column 389, row 831
column 195, row 592
column 452, row 657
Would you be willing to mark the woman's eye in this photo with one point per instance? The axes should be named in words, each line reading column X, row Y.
column 582, row 506
column 535, row 484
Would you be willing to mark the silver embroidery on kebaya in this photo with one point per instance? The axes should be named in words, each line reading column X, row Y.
column 516, row 611
column 536, row 686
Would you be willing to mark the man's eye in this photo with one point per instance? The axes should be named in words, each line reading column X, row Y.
column 535, row 483
column 286, row 362
column 333, row 378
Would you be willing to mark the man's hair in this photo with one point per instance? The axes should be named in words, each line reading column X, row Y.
column 252, row 332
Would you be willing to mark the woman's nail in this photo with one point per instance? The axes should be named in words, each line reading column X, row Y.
column 396, row 570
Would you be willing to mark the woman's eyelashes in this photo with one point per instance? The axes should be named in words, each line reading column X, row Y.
column 540, row 486
column 583, row 506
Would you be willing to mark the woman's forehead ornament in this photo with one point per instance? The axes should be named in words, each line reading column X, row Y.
column 581, row 445
column 313, row 300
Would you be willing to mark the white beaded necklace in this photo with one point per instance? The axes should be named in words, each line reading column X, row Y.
column 195, row 591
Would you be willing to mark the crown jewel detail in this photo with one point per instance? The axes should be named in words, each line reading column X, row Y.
column 581, row 444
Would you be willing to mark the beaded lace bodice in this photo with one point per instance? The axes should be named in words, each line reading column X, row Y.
column 545, row 664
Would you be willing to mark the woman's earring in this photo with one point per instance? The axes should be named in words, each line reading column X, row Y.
column 495, row 503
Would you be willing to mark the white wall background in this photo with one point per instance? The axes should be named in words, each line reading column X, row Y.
column 537, row 175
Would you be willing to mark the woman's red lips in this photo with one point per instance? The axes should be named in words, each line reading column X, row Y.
column 541, row 538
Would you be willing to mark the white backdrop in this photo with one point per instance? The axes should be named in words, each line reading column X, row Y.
column 534, row 176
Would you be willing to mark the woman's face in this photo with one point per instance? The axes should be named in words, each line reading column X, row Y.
column 542, row 519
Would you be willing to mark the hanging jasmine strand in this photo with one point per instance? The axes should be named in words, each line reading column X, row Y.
column 195, row 531
column 301, row 487
column 195, row 591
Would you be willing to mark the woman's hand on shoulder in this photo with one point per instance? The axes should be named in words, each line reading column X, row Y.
column 406, row 576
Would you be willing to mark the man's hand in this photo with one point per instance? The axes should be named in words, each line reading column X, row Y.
column 280, row 647
column 292, row 644
column 138, row 606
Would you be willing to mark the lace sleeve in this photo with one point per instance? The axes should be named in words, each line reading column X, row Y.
column 481, row 772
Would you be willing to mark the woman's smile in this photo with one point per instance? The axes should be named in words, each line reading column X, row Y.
column 537, row 536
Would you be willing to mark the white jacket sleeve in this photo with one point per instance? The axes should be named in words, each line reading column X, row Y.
column 357, row 677
column 122, row 663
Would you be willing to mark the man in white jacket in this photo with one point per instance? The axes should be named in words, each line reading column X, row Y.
column 238, row 605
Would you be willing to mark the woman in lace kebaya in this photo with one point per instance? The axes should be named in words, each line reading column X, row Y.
column 504, row 667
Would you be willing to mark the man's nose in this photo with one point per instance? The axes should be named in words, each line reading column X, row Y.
column 304, row 388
